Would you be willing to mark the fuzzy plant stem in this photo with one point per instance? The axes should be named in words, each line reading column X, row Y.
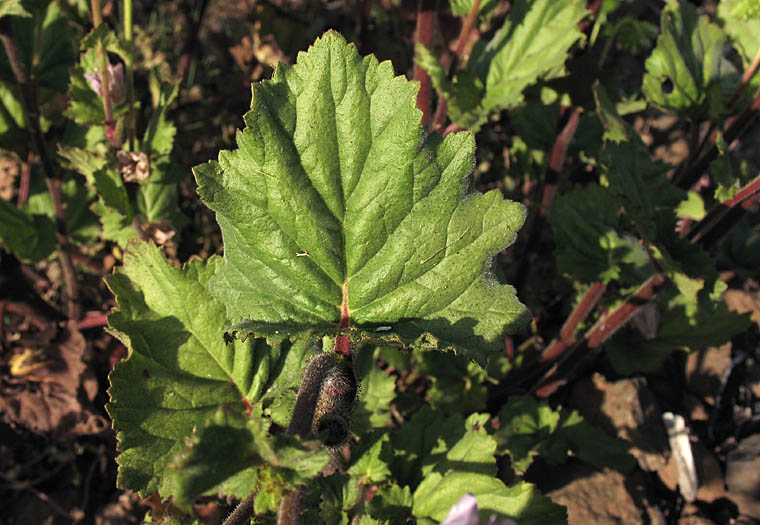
column 129, row 63
column 291, row 505
column 242, row 513
column 110, row 126
column 28, row 89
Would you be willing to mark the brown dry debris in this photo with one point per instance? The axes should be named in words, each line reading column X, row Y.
column 133, row 165
column 42, row 392
column 9, row 170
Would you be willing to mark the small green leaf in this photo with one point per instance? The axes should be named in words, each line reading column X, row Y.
column 158, row 199
column 585, row 223
column 687, row 72
column 30, row 236
column 693, row 207
column 422, row 442
column 391, row 502
column 744, row 31
column 224, row 448
column 13, row 8
column 371, row 459
column 86, row 107
column 463, row 7
column 377, row 390
column 457, row 385
column 335, row 211
column 159, row 135
column 616, row 129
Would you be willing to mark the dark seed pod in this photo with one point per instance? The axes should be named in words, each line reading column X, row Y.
column 334, row 405
column 308, row 393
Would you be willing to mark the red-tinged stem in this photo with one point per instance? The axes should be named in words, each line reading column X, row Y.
column 450, row 64
column 609, row 324
column 553, row 169
column 557, row 161
column 723, row 216
column 567, row 334
column 593, row 6
column 599, row 333
column 424, row 35
column 751, row 70
column 31, row 110
column 708, row 231
column 25, row 180
column 93, row 321
column 110, row 126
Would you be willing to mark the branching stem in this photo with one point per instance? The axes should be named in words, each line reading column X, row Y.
column 28, row 88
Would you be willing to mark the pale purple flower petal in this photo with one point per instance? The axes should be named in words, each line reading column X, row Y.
column 465, row 512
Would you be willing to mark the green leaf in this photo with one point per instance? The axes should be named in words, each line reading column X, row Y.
column 30, row 236
column 180, row 369
column 371, row 459
column 13, row 8
column 532, row 44
column 159, row 135
column 224, row 448
column 13, row 123
column 616, row 129
column 377, row 390
column 158, row 200
column 391, row 502
column 463, row 7
column 422, row 442
column 104, row 36
column 49, row 45
column 744, row 31
column 81, row 224
column 86, row 106
column 470, row 466
column 585, row 223
column 693, row 207
column 233, row 455
column 334, row 211
column 684, row 324
column 687, row 72
column 457, row 385
column 527, row 429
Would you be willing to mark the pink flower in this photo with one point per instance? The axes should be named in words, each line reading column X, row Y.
column 115, row 83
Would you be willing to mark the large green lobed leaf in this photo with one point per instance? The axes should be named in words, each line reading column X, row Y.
column 180, row 369
column 336, row 210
